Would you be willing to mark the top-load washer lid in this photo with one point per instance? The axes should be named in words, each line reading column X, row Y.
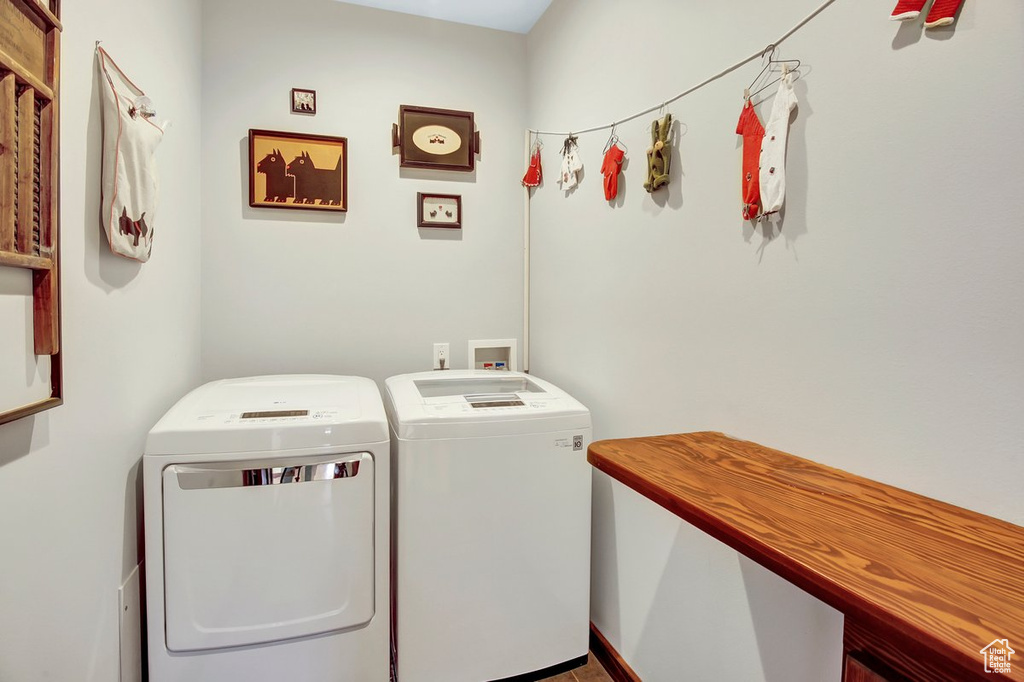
column 270, row 414
column 471, row 403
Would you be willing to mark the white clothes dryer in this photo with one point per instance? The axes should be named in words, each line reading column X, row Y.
column 490, row 526
column 266, row 520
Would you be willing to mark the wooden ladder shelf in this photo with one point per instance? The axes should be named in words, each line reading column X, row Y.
column 29, row 169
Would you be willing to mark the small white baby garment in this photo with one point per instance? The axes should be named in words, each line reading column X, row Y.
column 772, row 175
column 571, row 166
column 130, row 140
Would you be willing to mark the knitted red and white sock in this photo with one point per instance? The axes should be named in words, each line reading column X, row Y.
column 943, row 13
column 907, row 9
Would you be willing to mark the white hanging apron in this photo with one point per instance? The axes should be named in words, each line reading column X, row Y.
column 130, row 139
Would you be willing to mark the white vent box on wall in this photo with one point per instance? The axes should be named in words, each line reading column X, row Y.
column 497, row 354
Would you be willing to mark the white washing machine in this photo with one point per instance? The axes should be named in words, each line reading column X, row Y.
column 490, row 526
column 266, row 519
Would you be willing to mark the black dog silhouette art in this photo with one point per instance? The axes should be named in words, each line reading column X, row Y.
column 133, row 228
column 312, row 183
column 280, row 186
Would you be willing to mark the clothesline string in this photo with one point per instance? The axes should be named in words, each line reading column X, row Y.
column 696, row 87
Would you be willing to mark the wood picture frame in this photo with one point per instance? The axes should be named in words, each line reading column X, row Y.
column 304, row 101
column 30, row 173
column 436, row 139
column 298, row 170
column 439, row 210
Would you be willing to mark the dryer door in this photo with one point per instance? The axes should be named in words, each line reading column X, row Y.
column 260, row 551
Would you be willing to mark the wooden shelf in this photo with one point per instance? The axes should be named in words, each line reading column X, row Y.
column 30, row 409
column 44, row 13
column 30, row 171
column 18, row 260
column 24, row 75
column 935, row 581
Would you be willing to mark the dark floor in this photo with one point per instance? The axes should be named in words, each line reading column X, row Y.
column 591, row 672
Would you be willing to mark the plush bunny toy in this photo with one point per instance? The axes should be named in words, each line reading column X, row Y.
column 659, row 155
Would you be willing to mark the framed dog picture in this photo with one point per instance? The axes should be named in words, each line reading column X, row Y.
column 303, row 101
column 296, row 170
column 438, row 210
column 438, row 139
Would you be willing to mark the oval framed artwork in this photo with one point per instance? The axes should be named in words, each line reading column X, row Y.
column 437, row 139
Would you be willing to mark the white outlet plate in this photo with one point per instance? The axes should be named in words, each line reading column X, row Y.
column 129, row 606
column 441, row 350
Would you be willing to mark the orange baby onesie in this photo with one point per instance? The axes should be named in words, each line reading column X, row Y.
column 533, row 173
column 750, row 128
column 610, row 169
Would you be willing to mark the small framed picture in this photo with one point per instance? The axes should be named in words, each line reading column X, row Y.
column 297, row 170
column 439, row 210
column 436, row 139
column 303, row 101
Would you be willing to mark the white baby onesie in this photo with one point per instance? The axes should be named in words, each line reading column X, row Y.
column 571, row 166
column 130, row 140
column 773, row 148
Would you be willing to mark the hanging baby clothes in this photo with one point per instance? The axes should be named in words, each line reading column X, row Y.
column 943, row 12
column 750, row 128
column 130, row 140
column 571, row 165
column 610, row 169
column 773, row 148
column 533, row 173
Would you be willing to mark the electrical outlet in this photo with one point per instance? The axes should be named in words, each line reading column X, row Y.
column 441, row 356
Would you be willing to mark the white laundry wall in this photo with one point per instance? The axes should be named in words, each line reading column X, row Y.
column 70, row 490
column 879, row 331
column 367, row 292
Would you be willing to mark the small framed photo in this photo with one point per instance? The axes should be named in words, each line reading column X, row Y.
column 439, row 210
column 296, row 170
column 303, row 101
column 436, row 139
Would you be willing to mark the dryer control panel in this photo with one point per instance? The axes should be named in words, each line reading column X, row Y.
column 310, row 416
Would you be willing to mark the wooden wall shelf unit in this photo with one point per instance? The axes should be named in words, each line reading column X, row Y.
column 29, row 170
column 924, row 585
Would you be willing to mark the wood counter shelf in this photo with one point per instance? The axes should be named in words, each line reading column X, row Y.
column 924, row 585
column 30, row 172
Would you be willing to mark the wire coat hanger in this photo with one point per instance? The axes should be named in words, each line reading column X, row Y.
column 570, row 143
column 614, row 140
column 770, row 52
